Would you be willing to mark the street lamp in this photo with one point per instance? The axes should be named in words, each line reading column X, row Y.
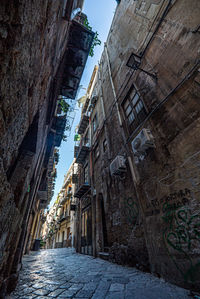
column 134, row 62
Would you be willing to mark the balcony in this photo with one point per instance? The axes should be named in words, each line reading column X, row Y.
column 73, row 205
column 43, row 204
column 64, row 200
column 83, row 124
column 83, row 188
column 76, row 150
column 43, row 198
column 74, row 178
column 64, row 217
column 74, row 61
column 58, row 125
column 42, row 195
column 82, row 153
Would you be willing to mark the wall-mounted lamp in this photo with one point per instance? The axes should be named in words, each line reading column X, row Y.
column 134, row 63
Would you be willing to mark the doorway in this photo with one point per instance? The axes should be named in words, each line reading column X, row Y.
column 86, row 231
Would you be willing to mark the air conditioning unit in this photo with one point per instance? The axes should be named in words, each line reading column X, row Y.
column 142, row 142
column 118, row 166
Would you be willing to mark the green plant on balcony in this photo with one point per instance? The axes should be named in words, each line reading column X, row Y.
column 64, row 105
column 96, row 41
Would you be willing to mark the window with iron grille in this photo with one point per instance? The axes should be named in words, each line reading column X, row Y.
column 134, row 109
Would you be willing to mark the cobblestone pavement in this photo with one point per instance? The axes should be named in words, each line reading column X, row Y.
column 62, row 273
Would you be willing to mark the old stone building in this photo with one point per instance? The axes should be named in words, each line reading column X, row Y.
column 66, row 232
column 143, row 156
column 59, row 229
column 82, row 153
column 44, row 47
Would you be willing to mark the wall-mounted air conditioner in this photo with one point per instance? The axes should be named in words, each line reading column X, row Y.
column 142, row 142
column 118, row 166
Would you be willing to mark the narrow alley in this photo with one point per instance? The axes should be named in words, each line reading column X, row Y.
column 62, row 273
column 99, row 149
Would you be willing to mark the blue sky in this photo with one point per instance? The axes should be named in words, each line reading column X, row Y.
column 100, row 15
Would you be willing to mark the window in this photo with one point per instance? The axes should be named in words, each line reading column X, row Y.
column 105, row 145
column 94, row 123
column 134, row 109
column 86, row 175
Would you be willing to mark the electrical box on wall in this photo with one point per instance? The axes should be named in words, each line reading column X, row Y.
column 142, row 142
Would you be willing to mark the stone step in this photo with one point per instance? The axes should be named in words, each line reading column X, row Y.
column 106, row 249
column 104, row 255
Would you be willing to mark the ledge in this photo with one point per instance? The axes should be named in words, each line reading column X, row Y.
column 83, row 151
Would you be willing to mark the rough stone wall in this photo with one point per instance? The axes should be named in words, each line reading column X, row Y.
column 169, row 191
column 165, row 192
column 119, row 228
column 33, row 39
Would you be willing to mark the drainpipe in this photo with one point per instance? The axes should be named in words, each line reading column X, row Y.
column 103, row 110
column 134, row 177
column 112, row 85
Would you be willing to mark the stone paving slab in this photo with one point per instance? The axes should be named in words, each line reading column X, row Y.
column 62, row 273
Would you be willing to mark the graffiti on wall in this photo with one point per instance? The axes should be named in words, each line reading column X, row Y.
column 182, row 235
column 131, row 210
column 173, row 200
